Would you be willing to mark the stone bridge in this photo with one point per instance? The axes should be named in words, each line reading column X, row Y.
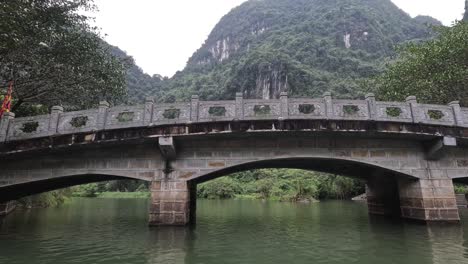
column 408, row 153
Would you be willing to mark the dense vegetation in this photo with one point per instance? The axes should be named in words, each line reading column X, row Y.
column 305, row 47
column 54, row 57
column 281, row 184
column 139, row 84
column 436, row 71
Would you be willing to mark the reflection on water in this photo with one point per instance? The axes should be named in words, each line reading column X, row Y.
column 115, row 231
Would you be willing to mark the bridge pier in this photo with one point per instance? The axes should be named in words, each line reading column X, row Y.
column 382, row 196
column 428, row 200
column 171, row 203
column 424, row 200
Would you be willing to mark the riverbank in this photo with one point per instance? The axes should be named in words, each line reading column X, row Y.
column 124, row 195
column 145, row 195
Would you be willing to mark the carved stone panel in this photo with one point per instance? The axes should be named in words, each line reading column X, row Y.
column 171, row 113
column 398, row 112
column 76, row 122
column 216, row 111
column 121, row 117
column 29, row 127
column 436, row 114
column 350, row 109
column 303, row 108
column 262, row 109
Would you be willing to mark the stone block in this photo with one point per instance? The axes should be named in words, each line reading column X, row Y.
column 155, row 208
column 342, row 153
column 216, row 164
column 242, row 154
column 149, row 175
column 183, row 174
column 139, row 164
column 194, row 163
column 204, row 154
column 222, row 154
column 407, row 164
column 462, row 163
column 156, row 186
column 181, row 219
column 378, row 154
column 360, row 154
column 181, row 185
column 457, row 173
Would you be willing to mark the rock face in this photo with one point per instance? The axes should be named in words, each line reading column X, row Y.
column 305, row 47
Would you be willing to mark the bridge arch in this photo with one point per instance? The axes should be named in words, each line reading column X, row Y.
column 344, row 167
column 21, row 190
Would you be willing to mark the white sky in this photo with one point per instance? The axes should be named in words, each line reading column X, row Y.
column 162, row 34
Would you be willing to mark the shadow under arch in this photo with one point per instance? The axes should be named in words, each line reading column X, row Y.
column 20, row 190
column 344, row 167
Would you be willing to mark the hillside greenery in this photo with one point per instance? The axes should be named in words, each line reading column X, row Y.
column 436, row 71
column 305, row 47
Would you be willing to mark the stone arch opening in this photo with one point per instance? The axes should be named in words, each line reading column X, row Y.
column 343, row 167
column 174, row 201
column 381, row 183
column 20, row 190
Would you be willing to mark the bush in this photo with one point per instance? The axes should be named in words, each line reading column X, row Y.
column 86, row 190
column 48, row 199
column 461, row 188
column 223, row 188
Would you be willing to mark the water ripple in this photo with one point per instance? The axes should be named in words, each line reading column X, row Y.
column 115, row 231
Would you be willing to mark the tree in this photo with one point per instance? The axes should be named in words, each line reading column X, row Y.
column 435, row 71
column 54, row 57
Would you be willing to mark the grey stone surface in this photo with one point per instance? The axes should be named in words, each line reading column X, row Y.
column 150, row 114
column 360, row 138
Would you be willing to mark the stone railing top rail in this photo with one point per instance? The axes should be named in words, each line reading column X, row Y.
column 152, row 114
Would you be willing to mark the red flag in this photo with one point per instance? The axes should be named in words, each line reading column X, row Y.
column 6, row 106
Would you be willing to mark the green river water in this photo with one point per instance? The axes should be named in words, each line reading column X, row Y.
column 232, row 231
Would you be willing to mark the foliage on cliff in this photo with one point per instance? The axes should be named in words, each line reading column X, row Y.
column 54, row 57
column 139, row 84
column 305, row 47
column 435, row 71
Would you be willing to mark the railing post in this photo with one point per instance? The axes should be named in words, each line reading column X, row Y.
column 54, row 119
column 457, row 113
column 4, row 124
column 239, row 106
column 194, row 108
column 148, row 115
column 327, row 98
column 102, row 115
column 370, row 98
column 284, row 105
column 413, row 103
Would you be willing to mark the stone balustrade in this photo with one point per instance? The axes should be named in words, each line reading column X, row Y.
column 154, row 114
